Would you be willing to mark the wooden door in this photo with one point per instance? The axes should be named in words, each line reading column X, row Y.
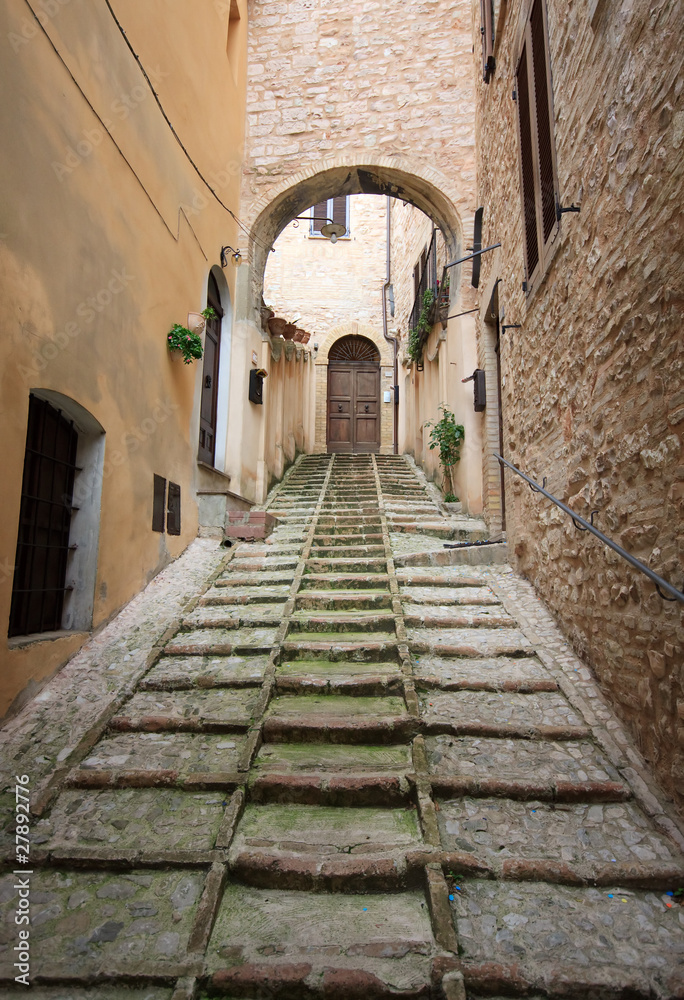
column 209, row 399
column 353, row 396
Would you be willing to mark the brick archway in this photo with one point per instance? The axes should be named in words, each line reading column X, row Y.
column 397, row 176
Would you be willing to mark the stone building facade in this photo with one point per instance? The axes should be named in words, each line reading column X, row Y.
column 591, row 364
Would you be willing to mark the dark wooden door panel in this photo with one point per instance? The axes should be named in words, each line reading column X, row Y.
column 353, row 407
column 210, row 373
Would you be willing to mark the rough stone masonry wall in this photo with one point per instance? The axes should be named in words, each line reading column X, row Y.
column 331, row 80
column 592, row 393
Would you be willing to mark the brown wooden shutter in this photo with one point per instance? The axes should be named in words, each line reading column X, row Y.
column 527, row 167
column 487, row 34
column 158, row 504
column 320, row 214
column 339, row 211
column 173, row 515
column 543, row 117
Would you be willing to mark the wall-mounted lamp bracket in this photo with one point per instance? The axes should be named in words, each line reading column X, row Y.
column 470, row 256
column 511, row 326
column 466, row 313
column 235, row 256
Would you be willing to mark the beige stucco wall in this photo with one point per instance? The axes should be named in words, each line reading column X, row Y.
column 325, row 285
column 592, row 381
column 108, row 236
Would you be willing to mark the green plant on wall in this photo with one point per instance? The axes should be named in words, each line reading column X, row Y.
column 189, row 343
column 448, row 436
column 419, row 333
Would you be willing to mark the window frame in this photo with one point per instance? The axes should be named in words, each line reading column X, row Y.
column 487, row 30
column 545, row 195
column 316, row 234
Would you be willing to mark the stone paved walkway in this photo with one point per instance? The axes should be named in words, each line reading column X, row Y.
column 326, row 776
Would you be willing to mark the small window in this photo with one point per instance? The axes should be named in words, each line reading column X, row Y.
column 335, row 209
column 538, row 177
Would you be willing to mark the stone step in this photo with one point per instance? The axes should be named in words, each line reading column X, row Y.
column 217, row 711
column 338, row 600
column 337, row 719
column 442, row 576
column 487, row 673
column 342, row 621
column 262, row 581
column 371, row 679
column 245, row 595
column 360, row 534
column 221, row 642
column 336, row 646
column 456, row 595
column 480, row 641
column 332, row 774
column 351, row 581
column 538, row 715
column 176, row 673
column 468, row 616
column 233, row 616
column 324, row 848
column 349, row 551
column 341, row 565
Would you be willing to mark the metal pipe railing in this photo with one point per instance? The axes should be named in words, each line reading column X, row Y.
column 582, row 525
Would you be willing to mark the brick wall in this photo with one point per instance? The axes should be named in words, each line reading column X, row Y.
column 592, row 382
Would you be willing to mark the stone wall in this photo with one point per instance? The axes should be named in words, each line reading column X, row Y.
column 592, row 381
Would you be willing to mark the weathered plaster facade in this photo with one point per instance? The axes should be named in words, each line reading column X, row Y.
column 592, row 381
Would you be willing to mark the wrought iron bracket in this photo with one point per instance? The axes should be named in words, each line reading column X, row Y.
column 561, row 210
column 591, row 521
column 470, row 256
column 511, row 326
column 466, row 313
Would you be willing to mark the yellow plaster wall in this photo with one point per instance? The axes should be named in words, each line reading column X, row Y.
column 108, row 235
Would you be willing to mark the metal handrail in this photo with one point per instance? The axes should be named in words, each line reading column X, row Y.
column 582, row 525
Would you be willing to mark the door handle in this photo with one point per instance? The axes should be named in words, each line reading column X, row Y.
column 207, row 382
column 366, row 407
column 339, row 407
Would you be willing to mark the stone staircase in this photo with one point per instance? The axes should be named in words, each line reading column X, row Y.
column 343, row 780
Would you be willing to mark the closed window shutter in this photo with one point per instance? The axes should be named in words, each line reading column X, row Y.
column 339, row 211
column 158, row 503
column 487, row 34
column 173, row 515
column 320, row 214
column 527, row 167
column 543, row 117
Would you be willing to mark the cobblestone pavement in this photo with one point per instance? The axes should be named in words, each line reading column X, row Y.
column 326, row 776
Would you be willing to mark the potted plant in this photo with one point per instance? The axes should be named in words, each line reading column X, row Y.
column 448, row 436
column 187, row 342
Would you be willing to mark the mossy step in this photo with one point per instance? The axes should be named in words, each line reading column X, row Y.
column 357, row 646
column 342, row 622
column 355, row 581
column 338, row 600
column 344, row 677
column 331, row 565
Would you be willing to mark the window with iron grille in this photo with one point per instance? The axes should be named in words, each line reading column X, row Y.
column 538, row 177
column 44, row 521
column 336, row 209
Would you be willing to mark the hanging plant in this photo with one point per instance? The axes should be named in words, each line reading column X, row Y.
column 448, row 436
column 419, row 334
column 186, row 341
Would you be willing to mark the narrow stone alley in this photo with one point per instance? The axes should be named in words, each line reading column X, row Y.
column 339, row 773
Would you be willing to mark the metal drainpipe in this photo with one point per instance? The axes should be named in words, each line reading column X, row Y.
column 391, row 340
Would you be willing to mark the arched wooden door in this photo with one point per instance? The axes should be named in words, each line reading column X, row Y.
column 353, row 396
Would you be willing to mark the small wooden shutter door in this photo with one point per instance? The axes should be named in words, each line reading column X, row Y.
column 544, row 125
column 527, row 168
column 173, row 515
column 320, row 214
column 158, row 504
column 487, row 33
column 339, row 212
